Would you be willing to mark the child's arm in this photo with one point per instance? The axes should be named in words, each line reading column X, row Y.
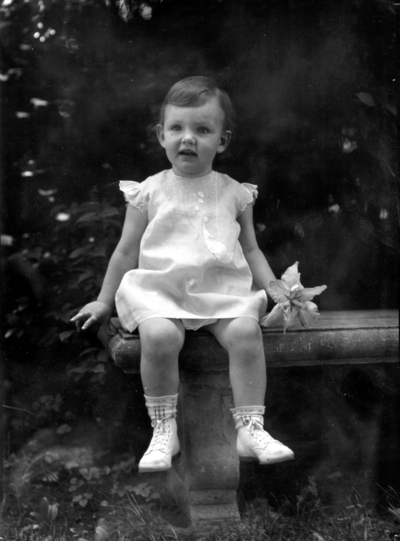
column 124, row 259
column 260, row 269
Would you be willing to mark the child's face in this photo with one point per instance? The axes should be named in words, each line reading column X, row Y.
column 192, row 136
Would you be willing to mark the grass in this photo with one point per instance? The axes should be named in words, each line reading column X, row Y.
column 53, row 497
column 132, row 521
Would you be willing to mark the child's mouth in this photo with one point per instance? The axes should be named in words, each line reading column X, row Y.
column 187, row 152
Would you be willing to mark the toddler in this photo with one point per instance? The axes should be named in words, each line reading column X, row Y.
column 188, row 258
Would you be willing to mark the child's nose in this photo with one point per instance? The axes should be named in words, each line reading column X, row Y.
column 188, row 137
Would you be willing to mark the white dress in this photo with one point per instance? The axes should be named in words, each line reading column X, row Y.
column 191, row 264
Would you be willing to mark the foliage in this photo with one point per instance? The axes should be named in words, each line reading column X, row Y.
column 136, row 517
column 317, row 122
column 65, row 264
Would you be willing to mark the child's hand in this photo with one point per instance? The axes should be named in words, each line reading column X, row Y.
column 94, row 312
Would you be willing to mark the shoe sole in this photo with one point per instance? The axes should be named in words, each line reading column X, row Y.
column 273, row 461
column 156, row 470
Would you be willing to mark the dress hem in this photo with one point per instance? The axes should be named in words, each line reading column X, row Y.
column 207, row 321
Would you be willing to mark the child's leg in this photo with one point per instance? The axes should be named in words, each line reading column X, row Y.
column 242, row 339
column 161, row 341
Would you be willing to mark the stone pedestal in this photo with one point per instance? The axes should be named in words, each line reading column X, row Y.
column 209, row 464
column 206, row 476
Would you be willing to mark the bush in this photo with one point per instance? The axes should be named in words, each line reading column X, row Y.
column 53, row 273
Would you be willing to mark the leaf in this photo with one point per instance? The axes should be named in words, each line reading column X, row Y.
column 99, row 251
column 44, row 506
column 88, row 350
column 391, row 108
column 64, row 335
column 80, row 251
column 64, row 317
column 63, row 429
column 124, row 10
column 4, row 24
column 102, row 357
column 142, row 489
column 53, row 511
column 111, row 211
column 85, row 275
column 88, row 217
column 80, row 370
column 37, row 516
column 366, row 98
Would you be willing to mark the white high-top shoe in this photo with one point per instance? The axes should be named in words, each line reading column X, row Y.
column 253, row 442
column 164, row 445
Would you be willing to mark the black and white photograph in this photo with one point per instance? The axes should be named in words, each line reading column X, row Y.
column 199, row 217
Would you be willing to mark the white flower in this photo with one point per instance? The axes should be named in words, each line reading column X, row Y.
column 22, row 114
column 63, row 217
column 334, row 209
column 37, row 102
column 7, row 240
column 348, row 146
column 292, row 300
column 145, row 11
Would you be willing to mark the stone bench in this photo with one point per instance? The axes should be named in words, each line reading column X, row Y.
column 209, row 466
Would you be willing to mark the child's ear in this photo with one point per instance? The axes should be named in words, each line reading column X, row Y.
column 160, row 134
column 224, row 141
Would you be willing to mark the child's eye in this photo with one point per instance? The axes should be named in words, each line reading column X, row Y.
column 175, row 127
column 203, row 129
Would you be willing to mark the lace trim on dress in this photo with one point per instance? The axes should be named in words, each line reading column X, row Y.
column 133, row 194
column 252, row 191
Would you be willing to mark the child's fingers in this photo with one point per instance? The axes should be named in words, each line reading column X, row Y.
column 89, row 322
column 80, row 315
column 79, row 318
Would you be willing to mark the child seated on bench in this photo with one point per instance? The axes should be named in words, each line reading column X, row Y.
column 188, row 259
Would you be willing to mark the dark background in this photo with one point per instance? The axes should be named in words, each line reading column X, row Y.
column 314, row 86
column 306, row 78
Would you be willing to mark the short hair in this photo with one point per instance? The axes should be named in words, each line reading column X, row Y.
column 194, row 92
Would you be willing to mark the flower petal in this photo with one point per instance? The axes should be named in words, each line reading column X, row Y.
column 309, row 314
column 278, row 291
column 297, row 303
column 291, row 276
column 275, row 317
column 289, row 316
column 309, row 293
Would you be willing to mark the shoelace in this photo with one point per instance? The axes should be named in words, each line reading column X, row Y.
column 161, row 434
column 256, row 429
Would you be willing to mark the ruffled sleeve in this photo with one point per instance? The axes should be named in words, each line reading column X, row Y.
column 247, row 195
column 135, row 194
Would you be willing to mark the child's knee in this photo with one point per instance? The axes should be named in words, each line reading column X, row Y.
column 245, row 332
column 161, row 339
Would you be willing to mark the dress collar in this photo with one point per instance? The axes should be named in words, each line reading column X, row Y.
column 205, row 177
